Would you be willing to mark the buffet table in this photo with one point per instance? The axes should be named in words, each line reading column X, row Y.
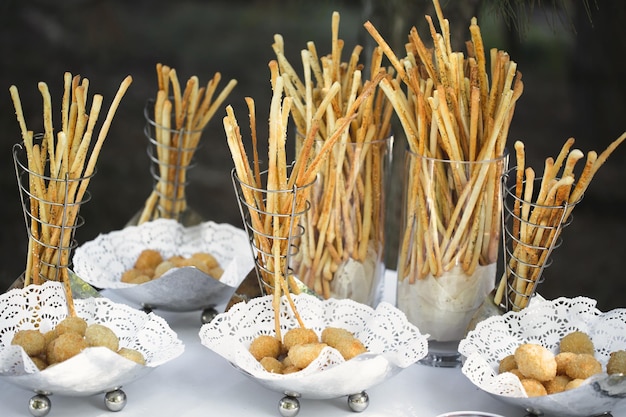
column 201, row 383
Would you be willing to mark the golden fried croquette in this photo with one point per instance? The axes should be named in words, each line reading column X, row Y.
column 162, row 268
column 302, row 355
column 616, row 363
column 298, row 336
column 216, row 272
column 148, row 259
column 39, row 362
column 344, row 341
column 100, row 335
column 574, row 383
column 556, row 385
column 535, row 361
column 150, row 265
column 65, row 346
column 265, row 345
column 290, row 369
column 506, row 364
column 582, row 366
column 136, row 276
column 517, row 373
column 577, row 342
column 272, row 365
column 133, row 355
column 533, row 387
column 209, row 260
column 32, row 341
column 130, row 275
column 562, row 359
column 71, row 324
column 196, row 263
column 177, row 260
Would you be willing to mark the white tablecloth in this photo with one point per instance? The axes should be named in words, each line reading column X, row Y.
column 200, row 383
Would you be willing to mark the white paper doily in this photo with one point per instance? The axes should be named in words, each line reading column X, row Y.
column 393, row 344
column 94, row 370
column 102, row 261
column 546, row 322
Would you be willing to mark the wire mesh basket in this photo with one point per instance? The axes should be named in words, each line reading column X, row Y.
column 531, row 233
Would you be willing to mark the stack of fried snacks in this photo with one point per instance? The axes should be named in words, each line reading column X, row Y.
column 347, row 215
column 538, row 216
column 179, row 118
column 271, row 230
column 59, row 169
column 457, row 108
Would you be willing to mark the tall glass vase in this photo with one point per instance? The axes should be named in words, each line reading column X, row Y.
column 342, row 249
column 449, row 242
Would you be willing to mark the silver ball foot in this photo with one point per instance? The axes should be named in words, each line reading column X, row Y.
column 39, row 405
column 289, row 406
column 115, row 400
column 358, row 402
column 208, row 314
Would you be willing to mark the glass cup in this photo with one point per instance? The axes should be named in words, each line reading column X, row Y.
column 448, row 251
column 342, row 249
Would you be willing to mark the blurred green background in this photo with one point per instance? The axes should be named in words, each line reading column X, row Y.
column 571, row 60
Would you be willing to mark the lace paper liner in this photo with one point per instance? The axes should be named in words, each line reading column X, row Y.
column 393, row 343
column 102, row 261
column 546, row 322
column 94, row 370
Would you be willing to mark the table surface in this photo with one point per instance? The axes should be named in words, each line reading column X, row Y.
column 201, row 383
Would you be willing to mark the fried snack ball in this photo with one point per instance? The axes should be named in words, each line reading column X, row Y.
column 136, row 276
column 272, row 365
column 344, row 341
column 32, row 341
column 535, row 361
column 574, row 383
column 577, row 342
column 71, row 324
column 556, row 385
column 507, row 364
column 133, row 355
column 148, row 259
column 100, row 335
column 177, row 260
column 162, row 268
column 216, row 272
column 562, row 359
column 298, row 336
column 616, row 363
column 290, row 369
column 39, row 362
column 209, row 260
column 302, row 355
column 533, row 387
column 582, row 366
column 64, row 347
column 265, row 345
column 517, row 373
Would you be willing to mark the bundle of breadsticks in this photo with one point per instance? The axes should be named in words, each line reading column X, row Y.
column 455, row 108
column 344, row 234
column 537, row 217
column 270, row 212
column 177, row 119
column 57, row 171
